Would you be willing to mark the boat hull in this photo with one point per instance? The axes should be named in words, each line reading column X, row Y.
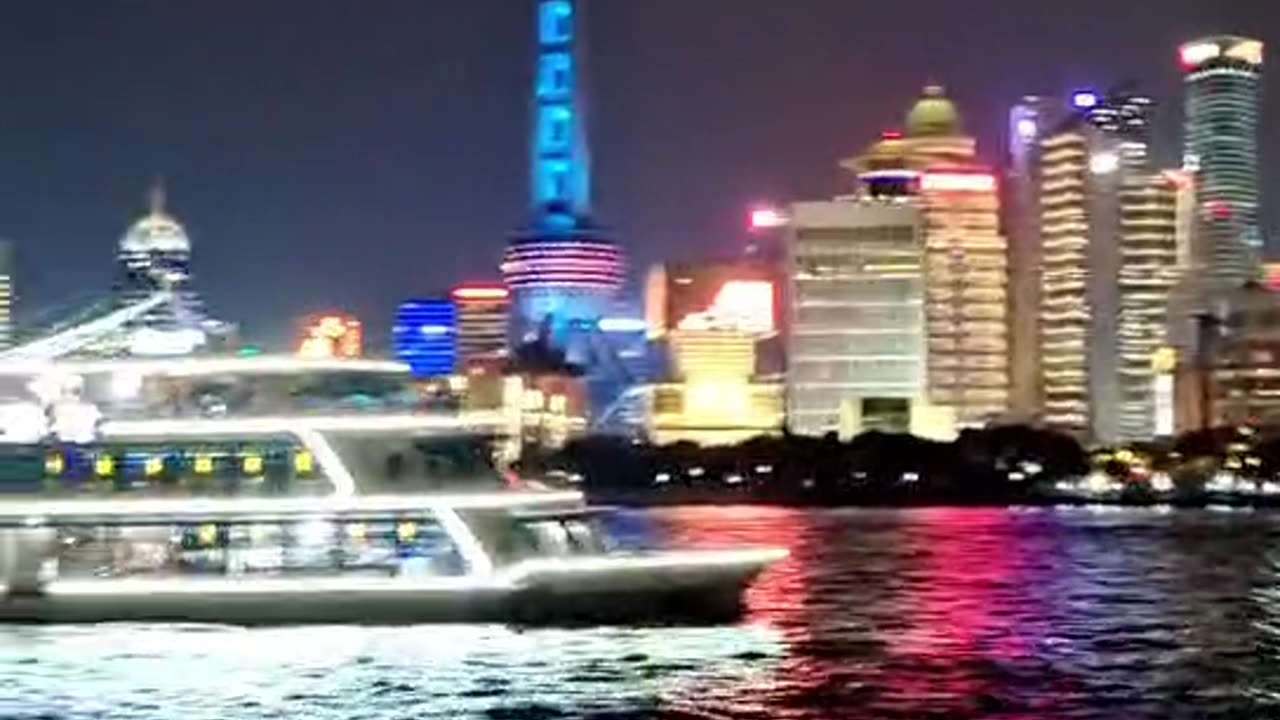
column 604, row 592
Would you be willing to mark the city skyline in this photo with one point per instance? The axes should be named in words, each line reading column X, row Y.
column 315, row 144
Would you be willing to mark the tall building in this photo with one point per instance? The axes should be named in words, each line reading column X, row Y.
column 561, row 268
column 932, row 165
column 1148, row 272
column 1108, row 229
column 482, row 322
column 856, row 331
column 1020, row 206
column 966, row 281
column 1223, row 83
column 8, row 268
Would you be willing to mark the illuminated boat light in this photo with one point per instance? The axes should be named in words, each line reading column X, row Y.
column 286, row 424
column 273, row 586
column 236, row 509
column 510, row 579
column 188, row 367
column 691, row 559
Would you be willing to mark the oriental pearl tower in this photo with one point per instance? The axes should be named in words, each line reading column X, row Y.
column 562, row 269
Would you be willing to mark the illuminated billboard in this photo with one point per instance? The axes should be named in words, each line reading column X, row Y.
column 744, row 306
column 735, row 295
column 425, row 337
column 332, row 336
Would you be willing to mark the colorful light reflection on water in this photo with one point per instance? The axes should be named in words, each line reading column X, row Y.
column 877, row 614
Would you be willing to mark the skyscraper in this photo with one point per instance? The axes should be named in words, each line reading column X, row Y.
column 1223, row 77
column 561, row 268
column 1029, row 120
column 1108, row 229
column 933, row 166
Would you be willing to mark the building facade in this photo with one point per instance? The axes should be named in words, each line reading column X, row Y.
column 1029, row 120
column 932, row 166
column 425, row 337
column 482, row 320
column 1223, row 83
column 856, row 342
column 1108, row 267
column 1149, row 271
column 965, row 293
column 1245, row 385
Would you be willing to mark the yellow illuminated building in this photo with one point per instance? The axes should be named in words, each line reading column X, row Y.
column 1110, row 233
column 716, row 401
column 964, row 272
column 965, row 294
column 1148, row 273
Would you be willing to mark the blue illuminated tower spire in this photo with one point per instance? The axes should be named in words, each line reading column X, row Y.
column 561, row 268
column 560, row 165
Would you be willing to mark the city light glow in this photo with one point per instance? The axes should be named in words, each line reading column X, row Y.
column 765, row 218
column 1084, row 99
column 1104, row 163
column 1198, row 53
column 957, row 182
column 481, row 293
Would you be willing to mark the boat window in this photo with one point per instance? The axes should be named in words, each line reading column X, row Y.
column 399, row 546
column 248, row 393
column 217, row 468
column 398, row 464
column 563, row 536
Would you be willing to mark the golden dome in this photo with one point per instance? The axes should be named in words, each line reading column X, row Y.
column 933, row 115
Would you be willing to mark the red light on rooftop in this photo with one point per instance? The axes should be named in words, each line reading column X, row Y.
column 481, row 293
column 891, row 135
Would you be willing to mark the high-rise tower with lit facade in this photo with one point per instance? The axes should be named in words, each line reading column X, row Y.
column 1108, row 263
column 1223, row 78
column 561, row 268
column 933, row 166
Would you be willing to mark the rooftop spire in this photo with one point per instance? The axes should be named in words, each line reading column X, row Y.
column 156, row 196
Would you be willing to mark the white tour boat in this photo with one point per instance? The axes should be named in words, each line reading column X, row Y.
column 196, row 499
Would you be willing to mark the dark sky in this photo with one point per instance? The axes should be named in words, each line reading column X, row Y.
column 328, row 154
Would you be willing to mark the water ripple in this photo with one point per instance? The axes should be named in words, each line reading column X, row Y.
column 1073, row 614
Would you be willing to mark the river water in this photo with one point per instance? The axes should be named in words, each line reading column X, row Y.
column 987, row 613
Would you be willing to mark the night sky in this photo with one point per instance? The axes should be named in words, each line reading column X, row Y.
column 345, row 155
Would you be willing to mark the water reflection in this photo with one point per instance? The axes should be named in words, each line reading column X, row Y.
column 427, row 672
column 1044, row 614
column 976, row 613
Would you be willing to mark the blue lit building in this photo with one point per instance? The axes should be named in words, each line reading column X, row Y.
column 425, row 337
column 561, row 268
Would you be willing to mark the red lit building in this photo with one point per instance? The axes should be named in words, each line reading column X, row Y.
column 483, row 315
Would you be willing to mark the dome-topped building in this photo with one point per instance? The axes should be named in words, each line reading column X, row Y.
column 934, row 136
column 156, row 232
column 154, row 255
column 934, row 115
